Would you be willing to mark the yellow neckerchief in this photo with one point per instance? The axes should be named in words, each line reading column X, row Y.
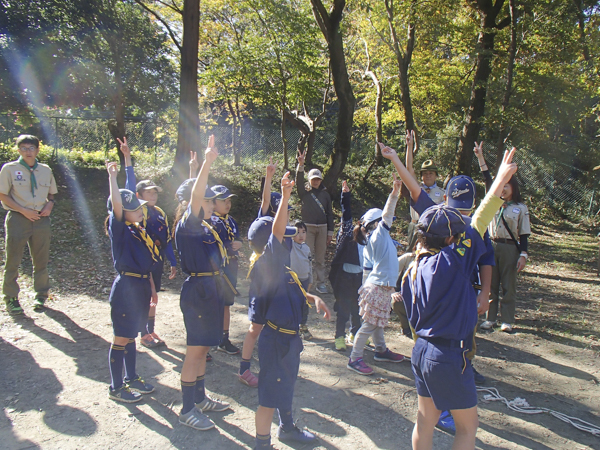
column 228, row 227
column 145, row 219
column 222, row 249
column 146, row 239
column 412, row 268
column 294, row 276
column 253, row 260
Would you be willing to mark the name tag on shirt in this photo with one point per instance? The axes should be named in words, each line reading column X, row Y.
column 516, row 210
column 438, row 193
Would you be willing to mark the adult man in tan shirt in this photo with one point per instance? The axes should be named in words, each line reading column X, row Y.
column 27, row 191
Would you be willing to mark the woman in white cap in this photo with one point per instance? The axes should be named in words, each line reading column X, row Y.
column 318, row 217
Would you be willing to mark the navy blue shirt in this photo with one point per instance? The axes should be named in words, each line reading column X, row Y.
column 130, row 252
column 228, row 231
column 278, row 297
column 198, row 249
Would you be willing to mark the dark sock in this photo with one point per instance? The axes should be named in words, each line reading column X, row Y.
column 130, row 355
column 244, row 365
column 263, row 441
column 115, row 363
column 225, row 337
column 187, row 390
column 150, row 325
column 199, row 393
column 286, row 420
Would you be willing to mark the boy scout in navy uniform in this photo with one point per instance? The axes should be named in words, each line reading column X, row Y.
column 27, row 190
column 280, row 297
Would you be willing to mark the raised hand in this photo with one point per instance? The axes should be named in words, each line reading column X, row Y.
column 387, row 152
column 397, row 184
column 410, row 141
column 271, row 168
column 112, row 168
column 194, row 165
column 124, row 148
column 301, row 157
column 478, row 150
column 345, row 187
column 508, row 168
column 286, row 186
column 211, row 152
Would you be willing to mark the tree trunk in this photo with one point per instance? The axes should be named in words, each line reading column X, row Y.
column 188, row 129
column 509, row 79
column 235, row 142
column 284, row 140
column 329, row 23
column 488, row 11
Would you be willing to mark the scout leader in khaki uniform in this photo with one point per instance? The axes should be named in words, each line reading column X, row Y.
column 429, row 174
column 27, row 191
column 509, row 232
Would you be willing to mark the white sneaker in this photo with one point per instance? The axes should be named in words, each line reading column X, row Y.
column 321, row 288
column 487, row 325
column 506, row 327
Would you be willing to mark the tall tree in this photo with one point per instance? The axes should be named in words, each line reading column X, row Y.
column 489, row 11
column 329, row 23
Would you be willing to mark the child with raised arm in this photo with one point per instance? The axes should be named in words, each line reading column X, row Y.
column 203, row 256
column 279, row 298
column 156, row 224
column 375, row 295
column 442, row 308
column 345, row 275
column 301, row 263
column 134, row 255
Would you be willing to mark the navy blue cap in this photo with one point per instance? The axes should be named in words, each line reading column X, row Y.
column 460, row 193
column 184, row 191
column 274, row 204
column 443, row 221
column 222, row 192
column 260, row 230
column 129, row 200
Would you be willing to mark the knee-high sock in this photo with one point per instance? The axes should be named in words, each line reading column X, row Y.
column 130, row 356
column 199, row 393
column 286, row 421
column 187, row 390
column 115, row 363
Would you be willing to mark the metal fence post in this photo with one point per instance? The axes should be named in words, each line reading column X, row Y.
column 55, row 153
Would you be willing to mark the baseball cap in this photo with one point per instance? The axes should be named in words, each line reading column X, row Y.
column 274, row 203
column 222, row 192
column 146, row 184
column 260, row 230
column 429, row 165
column 460, row 193
column 315, row 173
column 443, row 221
column 184, row 191
column 371, row 215
column 129, row 200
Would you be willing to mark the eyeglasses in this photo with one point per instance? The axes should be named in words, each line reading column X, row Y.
column 27, row 149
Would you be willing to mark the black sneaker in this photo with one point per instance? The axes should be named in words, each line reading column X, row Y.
column 124, row 394
column 227, row 347
column 13, row 306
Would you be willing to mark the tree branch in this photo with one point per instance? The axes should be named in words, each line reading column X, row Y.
column 163, row 22
column 321, row 17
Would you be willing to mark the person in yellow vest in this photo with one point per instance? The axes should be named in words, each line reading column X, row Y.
column 27, row 190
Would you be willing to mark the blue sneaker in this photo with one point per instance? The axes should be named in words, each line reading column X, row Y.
column 296, row 435
column 446, row 423
column 139, row 385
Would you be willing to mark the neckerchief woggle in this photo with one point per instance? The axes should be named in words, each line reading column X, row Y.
column 31, row 174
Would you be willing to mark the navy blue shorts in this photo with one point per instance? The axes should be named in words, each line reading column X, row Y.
column 232, row 273
column 202, row 310
column 439, row 374
column 279, row 356
column 157, row 276
column 129, row 305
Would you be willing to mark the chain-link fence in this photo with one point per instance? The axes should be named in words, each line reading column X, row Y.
column 558, row 183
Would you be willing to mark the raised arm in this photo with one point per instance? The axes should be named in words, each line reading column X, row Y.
column 193, row 164
column 409, row 181
column 492, row 201
column 199, row 189
column 115, row 196
column 300, row 174
column 280, row 222
column 390, row 204
column 485, row 171
column 130, row 181
column 266, row 194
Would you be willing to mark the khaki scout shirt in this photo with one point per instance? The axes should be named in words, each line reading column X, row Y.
column 436, row 194
column 517, row 218
column 15, row 181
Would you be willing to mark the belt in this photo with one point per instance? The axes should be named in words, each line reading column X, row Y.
column 281, row 330
column 204, row 274
column 452, row 343
column 503, row 241
column 136, row 275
